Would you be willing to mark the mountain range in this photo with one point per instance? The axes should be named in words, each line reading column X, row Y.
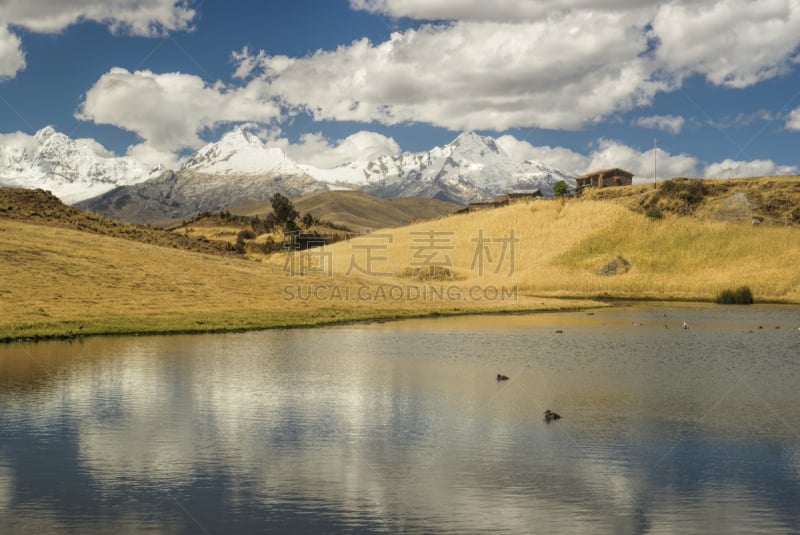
column 240, row 168
column 72, row 169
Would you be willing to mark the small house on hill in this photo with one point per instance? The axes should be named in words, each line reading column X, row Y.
column 522, row 194
column 604, row 178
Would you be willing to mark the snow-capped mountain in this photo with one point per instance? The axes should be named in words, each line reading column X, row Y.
column 241, row 168
column 238, row 168
column 240, row 152
column 73, row 169
column 470, row 168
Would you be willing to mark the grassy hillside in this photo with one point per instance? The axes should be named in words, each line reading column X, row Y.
column 773, row 200
column 358, row 211
column 44, row 208
column 584, row 247
column 54, row 278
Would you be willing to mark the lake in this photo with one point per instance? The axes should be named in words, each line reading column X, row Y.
column 402, row 426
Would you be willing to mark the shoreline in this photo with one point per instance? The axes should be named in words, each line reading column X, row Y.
column 129, row 328
column 135, row 327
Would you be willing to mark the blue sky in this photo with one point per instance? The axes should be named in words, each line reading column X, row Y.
column 577, row 84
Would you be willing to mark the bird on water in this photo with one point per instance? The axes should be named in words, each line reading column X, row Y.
column 549, row 416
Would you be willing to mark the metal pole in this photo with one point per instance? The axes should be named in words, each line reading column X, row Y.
column 655, row 154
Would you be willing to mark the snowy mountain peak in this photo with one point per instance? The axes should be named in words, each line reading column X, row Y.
column 475, row 145
column 45, row 133
column 469, row 168
column 240, row 152
column 73, row 169
column 239, row 137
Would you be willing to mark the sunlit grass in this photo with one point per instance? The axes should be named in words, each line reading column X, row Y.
column 54, row 279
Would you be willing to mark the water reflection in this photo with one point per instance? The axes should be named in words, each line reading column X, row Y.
column 401, row 426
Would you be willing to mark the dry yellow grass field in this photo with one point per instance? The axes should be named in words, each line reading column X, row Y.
column 563, row 247
column 55, row 280
column 539, row 255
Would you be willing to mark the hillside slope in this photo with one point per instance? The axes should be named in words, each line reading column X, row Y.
column 359, row 211
column 519, row 257
column 44, row 208
column 771, row 200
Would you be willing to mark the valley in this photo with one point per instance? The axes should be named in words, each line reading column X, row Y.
column 63, row 268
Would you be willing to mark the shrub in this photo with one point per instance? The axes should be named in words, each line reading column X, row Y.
column 617, row 266
column 692, row 191
column 245, row 235
column 653, row 213
column 560, row 188
column 740, row 296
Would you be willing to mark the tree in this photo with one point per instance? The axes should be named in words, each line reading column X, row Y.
column 560, row 188
column 285, row 213
column 308, row 220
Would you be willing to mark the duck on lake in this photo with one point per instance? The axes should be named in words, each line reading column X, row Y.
column 501, row 377
column 549, row 416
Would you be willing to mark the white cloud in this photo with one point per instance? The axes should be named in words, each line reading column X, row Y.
column 147, row 18
column 94, row 146
column 609, row 153
column 136, row 17
column 153, row 157
column 12, row 58
column 566, row 72
column 605, row 154
column 561, row 64
column 667, row 165
column 735, row 43
column 668, row 123
column 19, row 140
column 246, row 63
column 559, row 157
column 319, row 151
column 497, row 10
column 168, row 111
column 793, row 121
column 741, row 169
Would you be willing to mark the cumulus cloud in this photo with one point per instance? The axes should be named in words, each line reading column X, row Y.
column 610, row 153
column 136, row 17
column 12, row 58
column 734, row 43
column 668, row 123
column 559, row 157
column 21, row 140
column 148, row 18
column 168, row 111
column 566, row 72
column 741, row 169
column 562, row 64
column 319, row 151
column 793, row 121
column 605, row 154
column 498, row 10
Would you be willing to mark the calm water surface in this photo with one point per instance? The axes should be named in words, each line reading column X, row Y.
column 402, row 427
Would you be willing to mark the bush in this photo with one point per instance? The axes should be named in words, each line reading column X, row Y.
column 245, row 235
column 653, row 213
column 739, row 296
column 692, row 191
column 560, row 188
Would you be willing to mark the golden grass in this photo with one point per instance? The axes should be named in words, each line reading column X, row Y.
column 563, row 245
column 53, row 279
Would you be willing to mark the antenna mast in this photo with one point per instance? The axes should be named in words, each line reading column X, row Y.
column 655, row 155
